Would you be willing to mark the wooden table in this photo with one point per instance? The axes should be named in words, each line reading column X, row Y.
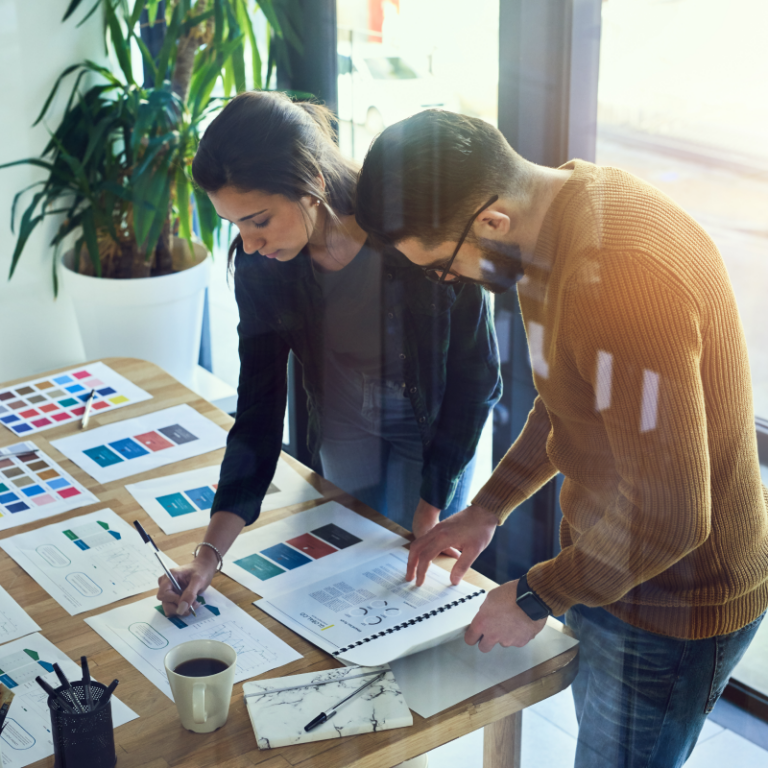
column 156, row 739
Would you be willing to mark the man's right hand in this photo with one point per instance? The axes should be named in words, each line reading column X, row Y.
column 469, row 531
column 193, row 578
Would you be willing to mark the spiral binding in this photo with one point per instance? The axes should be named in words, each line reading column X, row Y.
column 409, row 623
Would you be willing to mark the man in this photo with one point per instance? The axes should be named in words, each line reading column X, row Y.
column 644, row 404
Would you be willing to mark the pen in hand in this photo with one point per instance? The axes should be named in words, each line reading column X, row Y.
column 147, row 539
column 323, row 716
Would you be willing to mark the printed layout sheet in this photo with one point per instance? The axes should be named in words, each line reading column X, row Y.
column 137, row 445
column 34, row 487
column 182, row 502
column 87, row 562
column 143, row 635
column 47, row 402
column 27, row 734
column 14, row 621
column 373, row 599
column 305, row 548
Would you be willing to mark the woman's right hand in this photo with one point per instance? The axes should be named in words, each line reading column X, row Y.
column 193, row 578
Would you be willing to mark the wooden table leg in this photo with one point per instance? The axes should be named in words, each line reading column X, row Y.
column 502, row 741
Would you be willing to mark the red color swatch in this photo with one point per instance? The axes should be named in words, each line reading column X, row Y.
column 153, row 441
column 311, row 546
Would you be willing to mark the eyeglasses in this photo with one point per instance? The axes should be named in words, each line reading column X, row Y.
column 440, row 274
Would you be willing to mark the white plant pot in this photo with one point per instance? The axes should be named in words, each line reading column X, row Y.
column 158, row 319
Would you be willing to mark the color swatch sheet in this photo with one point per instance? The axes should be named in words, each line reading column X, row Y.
column 27, row 735
column 143, row 634
column 44, row 403
column 137, row 445
column 14, row 620
column 182, row 502
column 87, row 562
column 33, row 487
column 305, row 548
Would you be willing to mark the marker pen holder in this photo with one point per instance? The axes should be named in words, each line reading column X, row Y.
column 82, row 739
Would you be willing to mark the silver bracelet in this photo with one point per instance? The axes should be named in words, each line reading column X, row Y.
column 218, row 554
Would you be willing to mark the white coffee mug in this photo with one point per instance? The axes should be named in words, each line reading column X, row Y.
column 203, row 702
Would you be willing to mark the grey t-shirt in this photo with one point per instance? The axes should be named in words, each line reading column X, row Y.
column 354, row 315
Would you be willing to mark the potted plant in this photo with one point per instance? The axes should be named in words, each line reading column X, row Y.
column 118, row 172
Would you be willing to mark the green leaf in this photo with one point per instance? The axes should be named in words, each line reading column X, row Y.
column 269, row 12
column 169, row 45
column 152, row 11
column 228, row 77
column 218, row 30
column 182, row 204
column 237, row 60
column 152, row 196
column 48, row 101
column 135, row 16
column 89, row 14
column 244, row 20
column 71, row 9
column 121, row 44
column 91, row 240
column 207, row 218
column 16, row 200
column 146, row 57
column 28, row 223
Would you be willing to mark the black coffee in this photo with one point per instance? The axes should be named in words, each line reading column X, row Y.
column 200, row 667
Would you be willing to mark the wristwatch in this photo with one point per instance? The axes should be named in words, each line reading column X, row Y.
column 534, row 607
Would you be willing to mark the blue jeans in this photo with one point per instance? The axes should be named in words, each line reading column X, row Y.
column 642, row 698
column 372, row 448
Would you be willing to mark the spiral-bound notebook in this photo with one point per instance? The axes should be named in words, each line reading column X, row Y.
column 369, row 615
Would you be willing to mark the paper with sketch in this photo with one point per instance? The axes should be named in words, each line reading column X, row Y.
column 435, row 680
column 129, row 447
column 183, row 501
column 86, row 562
column 143, row 634
column 304, row 548
column 27, row 735
column 34, row 487
column 14, row 620
column 369, row 615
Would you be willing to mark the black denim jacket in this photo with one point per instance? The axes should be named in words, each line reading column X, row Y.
column 450, row 370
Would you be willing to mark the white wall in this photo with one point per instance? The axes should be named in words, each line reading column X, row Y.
column 36, row 332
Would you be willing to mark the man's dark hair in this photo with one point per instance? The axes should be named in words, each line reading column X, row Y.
column 424, row 176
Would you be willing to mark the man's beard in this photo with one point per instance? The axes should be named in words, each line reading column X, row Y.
column 501, row 264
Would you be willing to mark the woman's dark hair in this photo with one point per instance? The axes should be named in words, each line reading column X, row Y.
column 424, row 176
column 264, row 141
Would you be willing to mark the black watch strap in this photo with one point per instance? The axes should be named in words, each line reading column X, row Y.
column 533, row 606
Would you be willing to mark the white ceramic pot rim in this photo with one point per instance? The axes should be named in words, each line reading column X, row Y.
column 162, row 289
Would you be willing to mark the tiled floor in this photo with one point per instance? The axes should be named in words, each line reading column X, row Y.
column 549, row 741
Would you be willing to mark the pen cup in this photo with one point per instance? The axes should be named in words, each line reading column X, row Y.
column 81, row 739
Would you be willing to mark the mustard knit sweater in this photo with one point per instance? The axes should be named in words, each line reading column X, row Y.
column 645, row 405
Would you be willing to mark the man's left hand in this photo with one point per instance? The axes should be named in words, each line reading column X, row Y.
column 500, row 620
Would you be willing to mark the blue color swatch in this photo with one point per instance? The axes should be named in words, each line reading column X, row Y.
column 202, row 497
column 175, row 504
column 285, row 556
column 129, row 448
column 102, row 456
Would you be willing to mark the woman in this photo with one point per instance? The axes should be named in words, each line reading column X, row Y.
column 400, row 373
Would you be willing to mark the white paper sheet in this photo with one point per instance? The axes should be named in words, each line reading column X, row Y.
column 304, row 548
column 27, row 735
column 183, row 501
column 43, row 403
column 34, row 487
column 14, row 620
column 435, row 680
column 369, row 615
column 143, row 634
column 128, row 447
column 87, row 562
